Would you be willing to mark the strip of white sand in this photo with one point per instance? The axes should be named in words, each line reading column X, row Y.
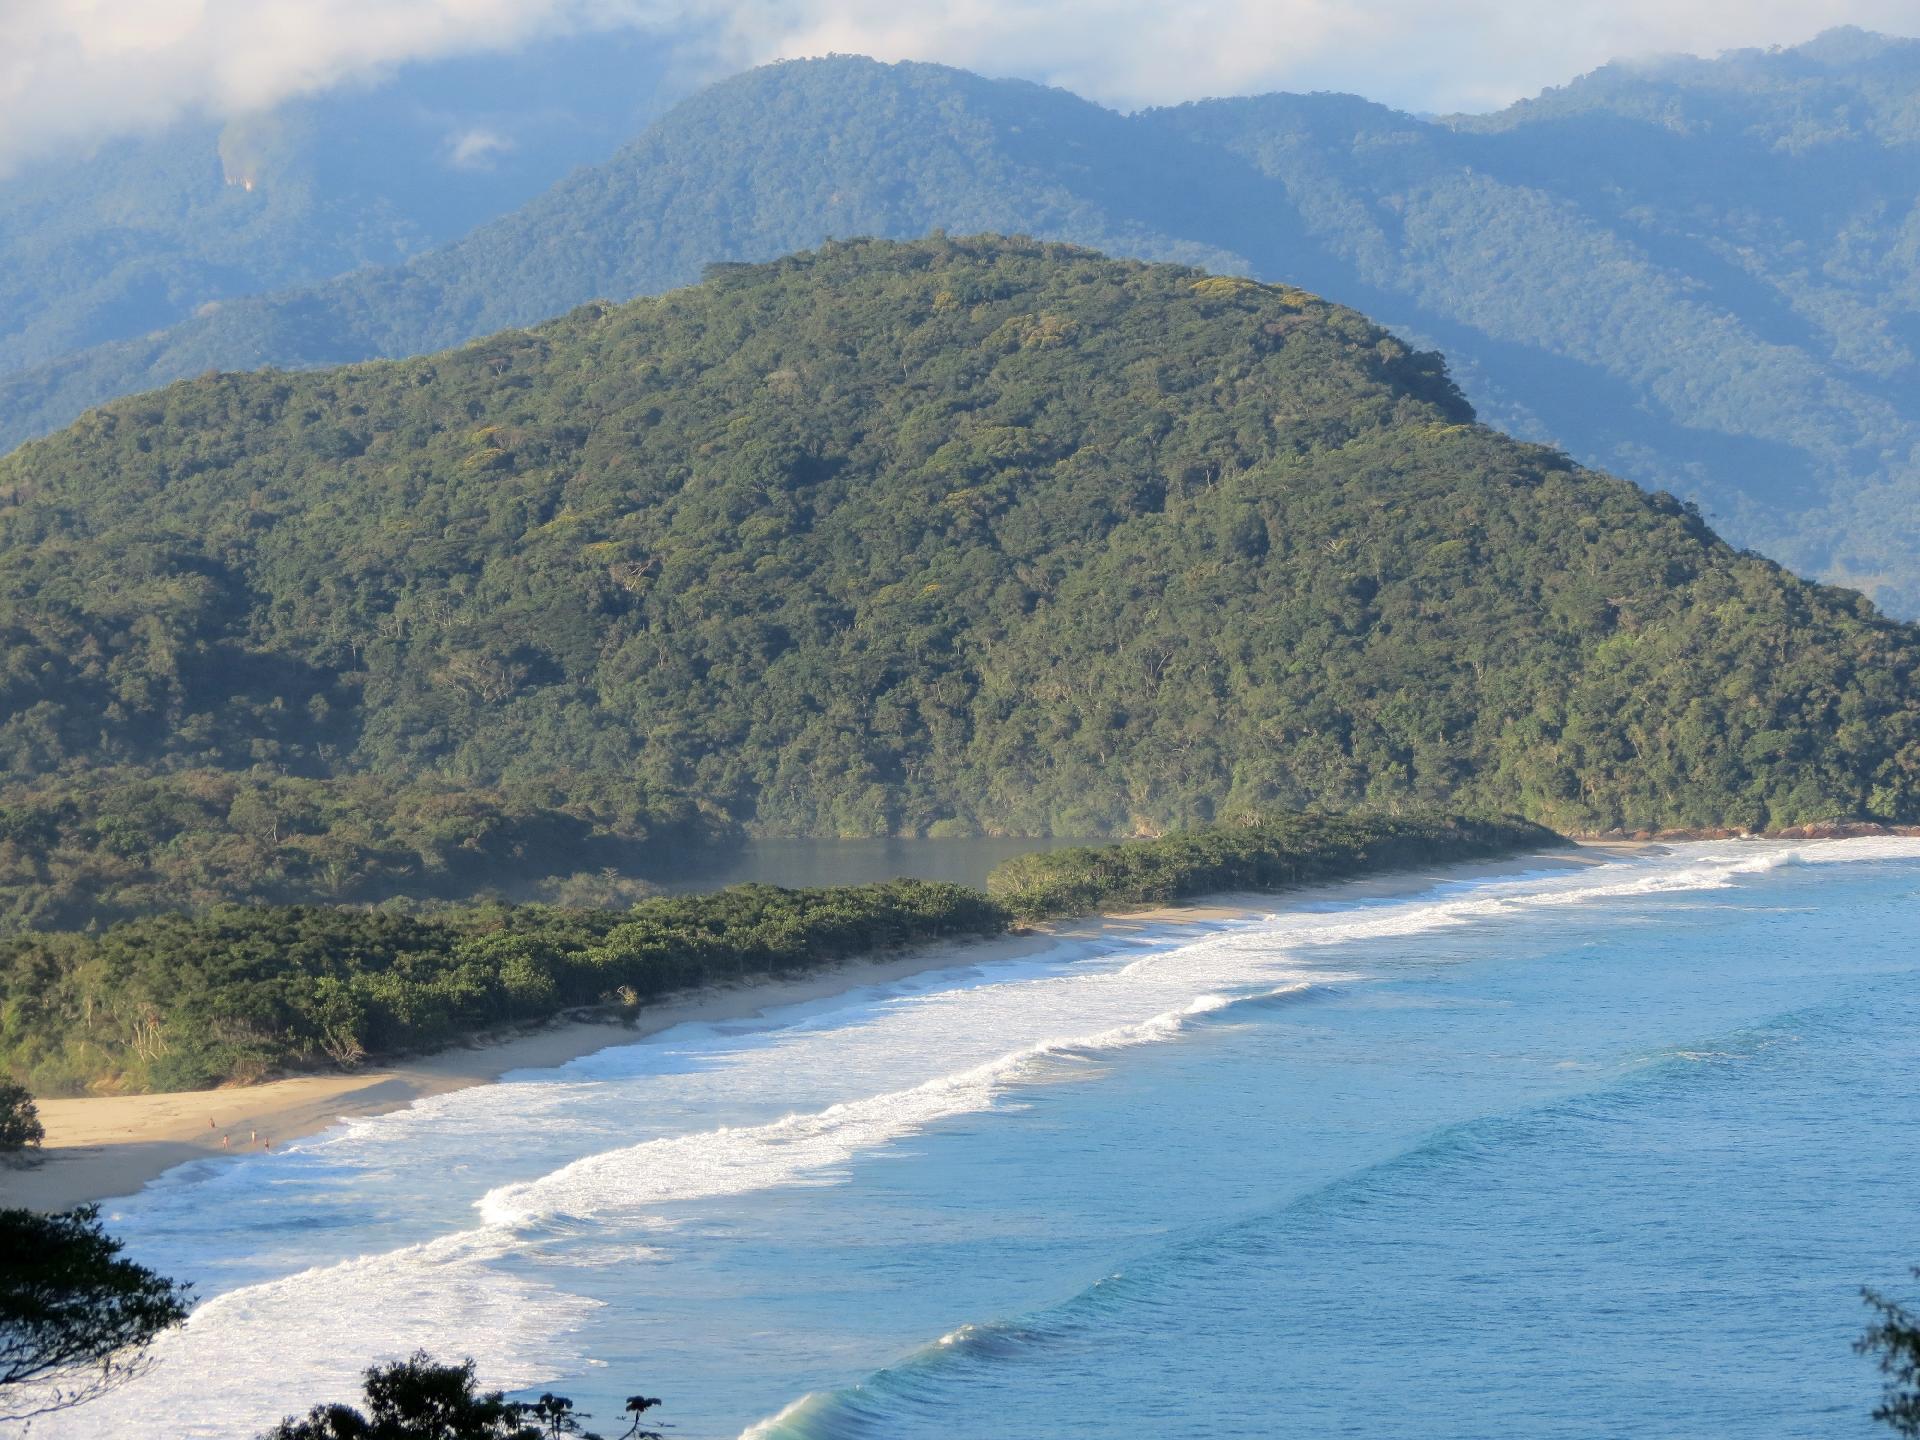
column 102, row 1147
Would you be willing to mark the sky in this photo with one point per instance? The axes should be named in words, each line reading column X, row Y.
column 75, row 72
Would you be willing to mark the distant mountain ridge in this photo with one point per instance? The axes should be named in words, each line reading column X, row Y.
column 942, row 537
column 1704, row 275
column 740, row 172
column 143, row 232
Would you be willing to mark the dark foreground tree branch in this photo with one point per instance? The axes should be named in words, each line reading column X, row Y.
column 75, row 1318
column 1895, row 1339
column 421, row 1399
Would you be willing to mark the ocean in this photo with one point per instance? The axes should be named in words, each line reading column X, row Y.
column 1597, row 1150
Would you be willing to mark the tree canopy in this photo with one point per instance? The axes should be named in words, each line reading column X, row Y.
column 20, row 1127
column 943, row 537
column 233, row 993
column 1251, row 853
column 102, row 844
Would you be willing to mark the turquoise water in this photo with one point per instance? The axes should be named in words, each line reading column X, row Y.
column 1594, row 1151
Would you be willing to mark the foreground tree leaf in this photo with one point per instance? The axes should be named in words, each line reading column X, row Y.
column 75, row 1317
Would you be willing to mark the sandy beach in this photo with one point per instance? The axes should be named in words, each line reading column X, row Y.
column 103, row 1147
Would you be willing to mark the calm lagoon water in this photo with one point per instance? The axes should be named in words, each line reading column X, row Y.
column 799, row 863
column 1597, row 1151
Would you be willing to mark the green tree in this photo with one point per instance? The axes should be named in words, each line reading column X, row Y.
column 20, row 1127
column 233, row 992
column 75, row 1317
column 1895, row 1339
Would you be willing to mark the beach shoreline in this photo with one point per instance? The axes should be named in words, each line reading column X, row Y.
column 101, row 1148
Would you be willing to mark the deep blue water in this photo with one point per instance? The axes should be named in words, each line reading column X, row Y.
column 1598, row 1151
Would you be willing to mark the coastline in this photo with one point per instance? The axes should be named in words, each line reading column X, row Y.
column 100, row 1148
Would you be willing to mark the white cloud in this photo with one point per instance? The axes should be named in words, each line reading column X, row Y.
column 77, row 71
column 1465, row 54
column 477, row 149
column 80, row 70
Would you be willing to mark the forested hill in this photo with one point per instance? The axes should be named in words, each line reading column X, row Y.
column 1698, row 274
column 927, row 538
column 769, row 162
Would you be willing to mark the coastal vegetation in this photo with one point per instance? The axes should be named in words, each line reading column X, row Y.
column 421, row 1399
column 234, row 993
column 178, row 1001
column 20, row 1127
column 100, row 845
column 949, row 537
column 1256, row 855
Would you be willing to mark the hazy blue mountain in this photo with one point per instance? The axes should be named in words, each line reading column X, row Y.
column 1701, row 275
column 141, row 233
column 755, row 167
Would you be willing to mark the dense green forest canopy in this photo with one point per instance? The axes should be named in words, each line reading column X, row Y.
column 97, row 845
column 1697, row 274
column 930, row 538
column 234, row 992
column 1260, row 854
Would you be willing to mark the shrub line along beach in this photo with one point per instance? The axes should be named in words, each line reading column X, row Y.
column 726, row 956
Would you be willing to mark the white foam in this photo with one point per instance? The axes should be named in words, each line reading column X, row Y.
column 798, row 1148
column 245, row 1359
column 816, row 1089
